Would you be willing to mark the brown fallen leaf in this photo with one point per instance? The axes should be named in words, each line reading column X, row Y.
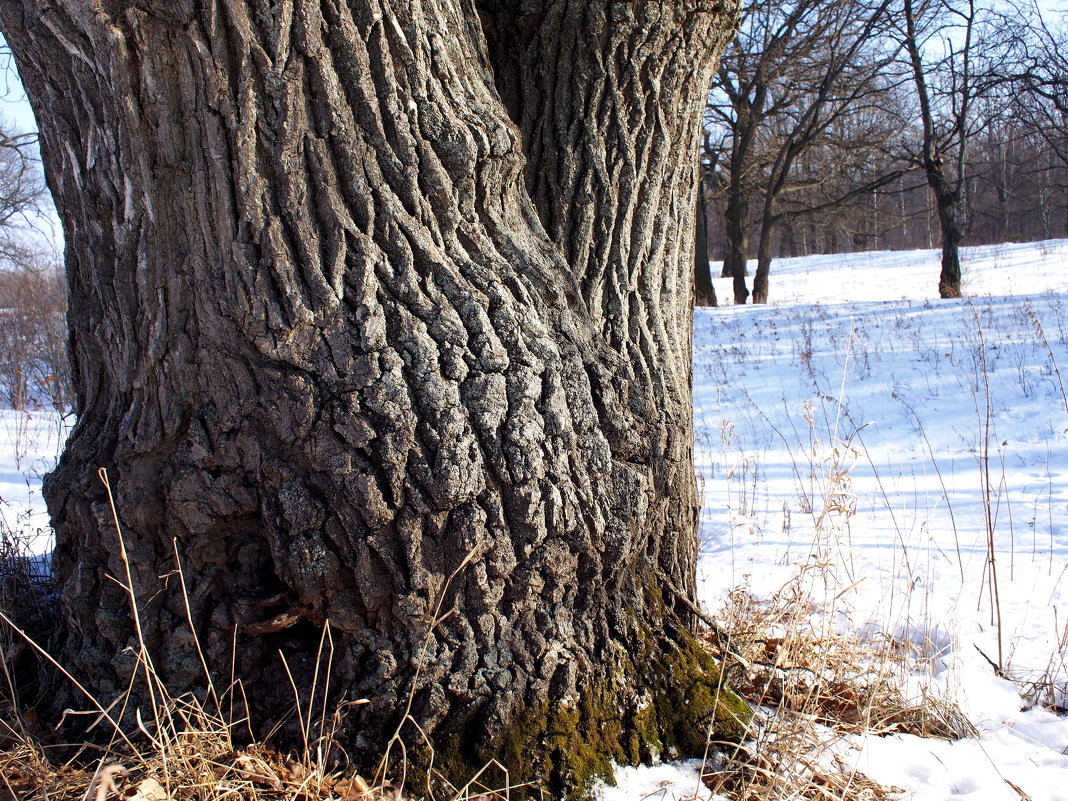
column 351, row 788
column 148, row 790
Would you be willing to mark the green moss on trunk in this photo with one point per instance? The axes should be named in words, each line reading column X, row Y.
column 640, row 709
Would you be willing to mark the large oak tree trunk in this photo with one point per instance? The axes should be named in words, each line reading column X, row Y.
column 330, row 351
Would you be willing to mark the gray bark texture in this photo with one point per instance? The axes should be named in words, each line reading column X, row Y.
column 364, row 292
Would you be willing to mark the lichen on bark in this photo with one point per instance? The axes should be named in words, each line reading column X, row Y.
column 640, row 712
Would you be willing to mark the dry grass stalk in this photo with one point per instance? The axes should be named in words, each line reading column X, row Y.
column 200, row 769
column 791, row 759
column 185, row 748
column 845, row 681
column 813, row 687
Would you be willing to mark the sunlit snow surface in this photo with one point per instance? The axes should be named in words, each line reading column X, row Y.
column 30, row 442
column 859, row 350
column 908, row 369
column 666, row 782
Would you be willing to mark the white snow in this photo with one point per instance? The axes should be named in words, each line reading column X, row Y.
column 30, row 442
column 666, row 782
column 857, row 352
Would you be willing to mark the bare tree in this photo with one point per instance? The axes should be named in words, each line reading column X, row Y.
column 1041, row 78
column 33, row 359
column 34, row 370
column 1026, row 159
column 788, row 86
column 743, row 97
column 382, row 317
column 845, row 122
column 847, row 191
column 955, row 49
column 1016, row 185
column 21, row 193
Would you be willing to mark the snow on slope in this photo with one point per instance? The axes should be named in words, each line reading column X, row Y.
column 858, row 350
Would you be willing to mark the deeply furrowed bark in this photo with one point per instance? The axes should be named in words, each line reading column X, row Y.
column 603, row 95
column 326, row 348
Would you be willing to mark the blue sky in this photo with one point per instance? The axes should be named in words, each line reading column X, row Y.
column 14, row 108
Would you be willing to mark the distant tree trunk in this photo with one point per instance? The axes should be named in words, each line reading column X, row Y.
column 930, row 226
column 736, row 213
column 791, row 240
column 948, row 189
column 331, row 352
column 704, row 291
column 1046, row 201
column 763, row 270
column 736, row 244
column 952, row 216
column 951, row 223
column 904, row 219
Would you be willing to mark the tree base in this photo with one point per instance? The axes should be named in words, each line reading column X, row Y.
column 949, row 291
column 673, row 709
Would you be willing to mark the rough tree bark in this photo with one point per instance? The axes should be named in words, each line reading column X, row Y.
column 330, row 350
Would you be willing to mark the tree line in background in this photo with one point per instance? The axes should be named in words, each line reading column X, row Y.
column 846, row 125
column 832, row 126
column 34, row 369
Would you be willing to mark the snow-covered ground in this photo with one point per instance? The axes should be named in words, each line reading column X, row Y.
column 30, row 442
column 946, row 424
column 942, row 426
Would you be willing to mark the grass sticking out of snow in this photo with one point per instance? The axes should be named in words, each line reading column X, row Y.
column 891, row 469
